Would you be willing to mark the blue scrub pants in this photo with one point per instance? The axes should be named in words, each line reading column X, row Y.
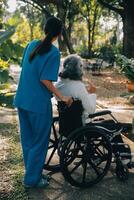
column 35, row 132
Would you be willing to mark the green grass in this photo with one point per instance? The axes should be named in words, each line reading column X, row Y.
column 13, row 163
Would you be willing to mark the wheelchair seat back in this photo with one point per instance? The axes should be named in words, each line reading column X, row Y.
column 70, row 118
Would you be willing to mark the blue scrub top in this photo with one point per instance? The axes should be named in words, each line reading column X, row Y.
column 31, row 94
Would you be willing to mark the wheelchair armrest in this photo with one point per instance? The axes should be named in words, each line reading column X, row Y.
column 104, row 112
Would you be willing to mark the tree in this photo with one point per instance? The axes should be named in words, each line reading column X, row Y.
column 125, row 8
column 67, row 13
column 3, row 6
column 42, row 5
column 33, row 16
column 11, row 47
column 90, row 11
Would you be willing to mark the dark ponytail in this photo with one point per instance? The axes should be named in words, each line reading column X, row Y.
column 43, row 47
column 52, row 29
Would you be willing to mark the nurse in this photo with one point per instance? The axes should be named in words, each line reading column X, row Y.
column 40, row 66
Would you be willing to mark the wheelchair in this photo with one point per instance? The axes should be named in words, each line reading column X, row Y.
column 85, row 153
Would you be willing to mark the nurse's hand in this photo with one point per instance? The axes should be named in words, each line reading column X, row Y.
column 67, row 100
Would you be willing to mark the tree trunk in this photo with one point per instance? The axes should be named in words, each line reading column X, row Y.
column 89, row 37
column 127, row 14
column 128, row 31
column 89, row 28
column 61, row 15
column 95, row 18
column 67, row 41
column 62, row 46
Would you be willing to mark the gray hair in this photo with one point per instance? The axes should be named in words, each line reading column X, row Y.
column 72, row 67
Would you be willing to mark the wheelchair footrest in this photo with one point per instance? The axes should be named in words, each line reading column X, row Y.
column 125, row 159
column 130, row 165
column 121, row 170
column 125, row 155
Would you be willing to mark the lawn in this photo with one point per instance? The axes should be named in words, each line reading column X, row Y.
column 11, row 164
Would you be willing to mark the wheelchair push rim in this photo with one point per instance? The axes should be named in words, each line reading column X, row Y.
column 85, row 157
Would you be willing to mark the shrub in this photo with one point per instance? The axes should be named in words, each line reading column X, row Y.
column 4, row 74
column 108, row 52
column 127, row 66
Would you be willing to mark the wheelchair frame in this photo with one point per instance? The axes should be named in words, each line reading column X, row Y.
column 86, row 153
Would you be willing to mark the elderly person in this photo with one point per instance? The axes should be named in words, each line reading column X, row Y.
column 71, row 84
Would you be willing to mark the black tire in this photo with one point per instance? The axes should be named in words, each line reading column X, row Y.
column 86, row 157
column 52, row 159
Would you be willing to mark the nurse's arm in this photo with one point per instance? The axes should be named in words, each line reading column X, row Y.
column 67, row 99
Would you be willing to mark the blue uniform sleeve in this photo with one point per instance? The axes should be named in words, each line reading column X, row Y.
column 51, row 68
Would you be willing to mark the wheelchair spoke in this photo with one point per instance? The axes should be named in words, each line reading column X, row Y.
column 94, row 167
column 55, row 148
column 84, row 171
column 76, row 166
column 81, row 148
column 52, row 141
column 103, row 154
column 99, row 150
column 69, row 158
column 100, row 144
column 54, row 131
column 79, row 156
column 50, row 147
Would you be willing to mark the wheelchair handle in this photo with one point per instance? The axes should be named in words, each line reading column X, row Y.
column 100, row 113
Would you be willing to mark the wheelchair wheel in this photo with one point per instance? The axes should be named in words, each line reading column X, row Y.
column 86, row 157
column 52, row 159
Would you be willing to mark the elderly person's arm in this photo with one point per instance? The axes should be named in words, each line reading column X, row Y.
column 90, row 88
column 88, row 100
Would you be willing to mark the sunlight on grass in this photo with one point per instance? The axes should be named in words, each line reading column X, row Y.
column 13, row 164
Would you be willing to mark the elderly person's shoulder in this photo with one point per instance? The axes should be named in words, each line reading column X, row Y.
column 69, row 82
